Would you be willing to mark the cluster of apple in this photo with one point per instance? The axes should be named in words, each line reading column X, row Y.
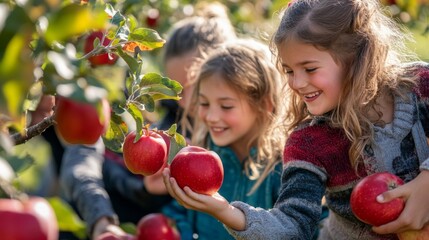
column 192, row 166
column 367, row 209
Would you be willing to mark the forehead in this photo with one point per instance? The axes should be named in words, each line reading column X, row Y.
column 216, row 86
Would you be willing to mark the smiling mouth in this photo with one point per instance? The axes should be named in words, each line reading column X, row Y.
column 217, row 129
column 312, row 95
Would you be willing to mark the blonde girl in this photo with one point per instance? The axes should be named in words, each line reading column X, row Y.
column 358, row 105
column 235, row 100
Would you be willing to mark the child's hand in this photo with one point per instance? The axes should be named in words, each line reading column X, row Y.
column 192, row 200
column 416, row 212
column 215, row 205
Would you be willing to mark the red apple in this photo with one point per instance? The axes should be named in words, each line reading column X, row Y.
column 29, row 219
column 100, row 59
column 422, row 234
column 81, row 123
column 157, row 226
column 147, row 155
column 363, row 199
column 198, row 168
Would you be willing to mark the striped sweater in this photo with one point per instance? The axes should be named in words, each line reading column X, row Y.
column 316, row 164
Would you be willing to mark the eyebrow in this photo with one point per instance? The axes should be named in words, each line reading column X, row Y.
column 221, row 99
column 301, row 63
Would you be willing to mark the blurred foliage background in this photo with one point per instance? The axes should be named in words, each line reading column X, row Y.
column 257, row 19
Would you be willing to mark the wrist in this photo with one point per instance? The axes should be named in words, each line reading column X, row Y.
column 101, row 226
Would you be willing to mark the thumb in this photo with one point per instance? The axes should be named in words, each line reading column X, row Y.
column 391, row 194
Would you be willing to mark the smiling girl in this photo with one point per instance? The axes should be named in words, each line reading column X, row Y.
column 235, row 100
column 355, row 108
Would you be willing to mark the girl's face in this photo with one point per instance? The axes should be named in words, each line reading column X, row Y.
column 313, row 75
column 229, row 117
column 176, row 68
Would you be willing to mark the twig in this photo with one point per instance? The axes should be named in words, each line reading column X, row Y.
column 33, row 131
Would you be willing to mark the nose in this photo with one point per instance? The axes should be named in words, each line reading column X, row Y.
column 297, row 81
column 212, row 114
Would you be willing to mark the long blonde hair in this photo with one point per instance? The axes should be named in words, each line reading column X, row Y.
column 370, row 47
column 247, row 67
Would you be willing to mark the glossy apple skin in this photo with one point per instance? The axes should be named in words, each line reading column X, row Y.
column 363, row 199
column 30, row 219
column 100, row 59
column 80, row 123
column 147, row 156
column 199, row 169
column 156, row 226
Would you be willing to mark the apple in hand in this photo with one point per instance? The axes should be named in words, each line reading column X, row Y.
column 79, row 122
column 198, row 168
column 103, row 58
column 156, row 226
column 32, row 218
column 363, row 199
column 146, row 156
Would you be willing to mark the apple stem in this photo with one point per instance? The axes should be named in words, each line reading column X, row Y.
column 11, row 191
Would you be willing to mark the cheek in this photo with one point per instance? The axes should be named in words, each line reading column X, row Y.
column 201, row 113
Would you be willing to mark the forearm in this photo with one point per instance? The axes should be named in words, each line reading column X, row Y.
column 81, row 180
column 232, row 217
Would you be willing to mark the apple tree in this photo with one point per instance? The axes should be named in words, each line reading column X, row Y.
column 42, row 52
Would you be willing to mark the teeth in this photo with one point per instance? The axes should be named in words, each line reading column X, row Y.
column 217, row 129
column 312, row 95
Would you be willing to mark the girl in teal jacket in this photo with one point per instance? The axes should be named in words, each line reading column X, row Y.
column 234, row 103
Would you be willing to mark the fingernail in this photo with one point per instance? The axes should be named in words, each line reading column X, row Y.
column 380, row 198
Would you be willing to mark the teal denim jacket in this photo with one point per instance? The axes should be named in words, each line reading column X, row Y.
column 235, row 187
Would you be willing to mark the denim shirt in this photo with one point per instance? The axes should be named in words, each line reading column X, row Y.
column 235, row 187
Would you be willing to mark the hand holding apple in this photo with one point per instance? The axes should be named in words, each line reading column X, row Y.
column 363, row 199
column 198, row 168
column 157, row 226
column 146, row 156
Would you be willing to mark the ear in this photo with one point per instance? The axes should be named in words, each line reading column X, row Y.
column 269, row 105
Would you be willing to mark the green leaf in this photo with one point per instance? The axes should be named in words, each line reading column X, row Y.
column 73, row 20
column 147, row 101
column 159, row 91
column 115, row 134
column 20, row 163
column 129, row 227
column 132, row 63
column 137, row 115
column 177, row 142
column 67, row 218
column 147, row 37
column 155, row 78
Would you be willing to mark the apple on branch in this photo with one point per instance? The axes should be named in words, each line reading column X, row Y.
column 79, row 122
column 199, row 169
column 147, row 155
column 99, row 59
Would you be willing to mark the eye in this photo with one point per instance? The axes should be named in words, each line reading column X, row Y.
column 310, row 70
column 203, row 104
column 227, row 107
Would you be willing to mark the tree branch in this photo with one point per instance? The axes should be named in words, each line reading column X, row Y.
column 33, row 131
